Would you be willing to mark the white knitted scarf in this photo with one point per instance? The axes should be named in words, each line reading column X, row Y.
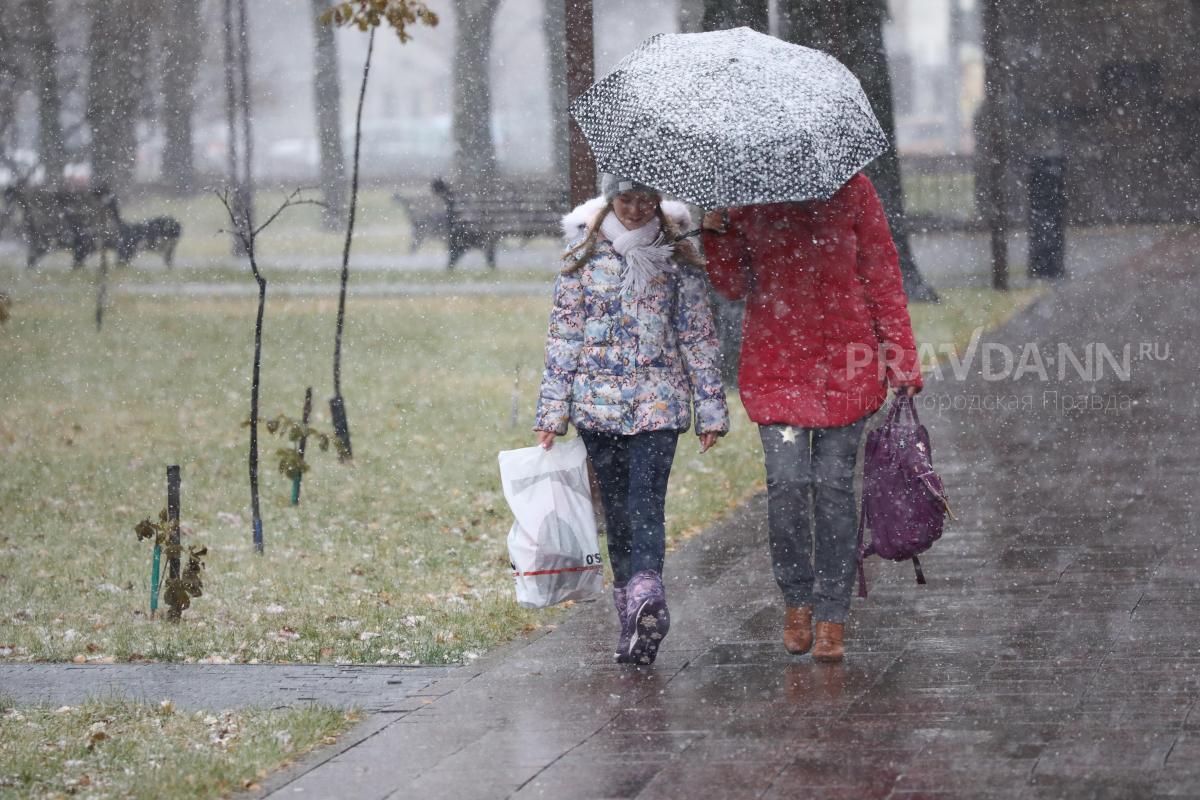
column 645, row 250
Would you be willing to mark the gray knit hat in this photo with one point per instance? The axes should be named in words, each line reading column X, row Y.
column 613, row 185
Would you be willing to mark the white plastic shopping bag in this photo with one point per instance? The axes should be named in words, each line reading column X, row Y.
column 553, row 546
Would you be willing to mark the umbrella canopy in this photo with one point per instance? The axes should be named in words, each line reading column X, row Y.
column 730, row 118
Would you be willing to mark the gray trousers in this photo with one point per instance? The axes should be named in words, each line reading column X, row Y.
column 816, row 463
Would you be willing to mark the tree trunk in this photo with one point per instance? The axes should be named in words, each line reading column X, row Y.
column 247, row 186
column 991, row 150
column 181, row 60
column 719, row 15
column 51, row 148
column 12, row 79
column 554, row 27
column 955, row 42
column 233, row 159
column 327, row 101
column 691, row 16
column 117, row 45
column 580, row 46
column 852, row 31
column 229, row 71
column 474, row 150
column 722, row 14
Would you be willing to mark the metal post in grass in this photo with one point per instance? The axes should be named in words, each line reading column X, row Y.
column 173, row 546
column 301, row 445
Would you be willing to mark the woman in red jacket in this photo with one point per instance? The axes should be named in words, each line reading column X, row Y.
column 826, row 331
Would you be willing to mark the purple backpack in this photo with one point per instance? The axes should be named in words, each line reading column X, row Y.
column 903, row 501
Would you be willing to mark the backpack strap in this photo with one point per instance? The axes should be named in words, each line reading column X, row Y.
column 893, row 412
column 862, row 576
column 918, row 570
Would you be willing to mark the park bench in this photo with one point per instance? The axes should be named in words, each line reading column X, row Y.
column 470, row 220
column 80, row 220
column 85, row 221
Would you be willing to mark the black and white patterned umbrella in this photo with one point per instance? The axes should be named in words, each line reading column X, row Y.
column 730, row 118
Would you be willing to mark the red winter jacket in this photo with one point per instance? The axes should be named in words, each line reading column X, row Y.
column 826, row 325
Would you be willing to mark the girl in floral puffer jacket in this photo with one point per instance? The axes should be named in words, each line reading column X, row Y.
column 631, row 351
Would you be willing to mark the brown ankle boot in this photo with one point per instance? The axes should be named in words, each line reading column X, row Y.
column 797, row 630
column 828, row 646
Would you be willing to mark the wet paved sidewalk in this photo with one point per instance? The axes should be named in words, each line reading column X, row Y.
column 1054, row 653
column 216, row 687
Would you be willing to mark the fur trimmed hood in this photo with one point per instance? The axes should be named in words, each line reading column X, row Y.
column 574, row 223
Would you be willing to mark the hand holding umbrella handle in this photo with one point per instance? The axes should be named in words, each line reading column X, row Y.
column 709, row 217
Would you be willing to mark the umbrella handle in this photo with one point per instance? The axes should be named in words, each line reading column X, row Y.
column 687, row 235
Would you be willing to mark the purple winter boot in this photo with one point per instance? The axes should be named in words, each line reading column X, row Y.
column 649, row 618
column 620, row 600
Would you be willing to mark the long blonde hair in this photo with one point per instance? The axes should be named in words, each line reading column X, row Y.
column 685, row 254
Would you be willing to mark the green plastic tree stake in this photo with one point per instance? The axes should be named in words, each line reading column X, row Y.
column 154, row 580
column 301, row 445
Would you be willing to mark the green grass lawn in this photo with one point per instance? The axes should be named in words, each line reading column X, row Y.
column 123, row 749
column 399, row 558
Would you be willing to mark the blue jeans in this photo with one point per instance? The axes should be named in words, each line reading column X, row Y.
column 813, row 469
column 633, row 472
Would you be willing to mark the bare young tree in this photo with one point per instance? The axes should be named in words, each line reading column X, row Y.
column 367, row 15
column 246, row 232
column 337, row 404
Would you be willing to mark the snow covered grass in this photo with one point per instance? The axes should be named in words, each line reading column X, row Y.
column 124, row 749
column 399, row 558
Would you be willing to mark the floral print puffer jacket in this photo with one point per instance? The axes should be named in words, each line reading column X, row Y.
column 624, row 365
